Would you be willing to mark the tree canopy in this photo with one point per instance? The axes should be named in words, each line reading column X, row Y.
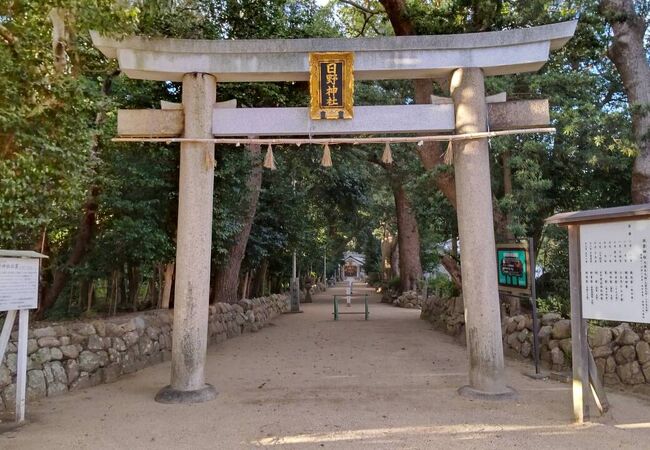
column 106, row 212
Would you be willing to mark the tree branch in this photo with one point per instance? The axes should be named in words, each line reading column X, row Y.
column 453, row 269
column 396, row 11
column 366, row 19
column 359, row 7
column 7, row 35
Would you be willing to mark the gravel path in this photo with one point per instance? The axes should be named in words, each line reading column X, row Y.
column 310, row 382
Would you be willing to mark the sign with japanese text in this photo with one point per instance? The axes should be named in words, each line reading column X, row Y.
column 513, row 267
column 18, row 283
column 331, row 85
column 614, row 270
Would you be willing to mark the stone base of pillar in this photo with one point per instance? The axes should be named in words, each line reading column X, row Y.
column 470, row 392
column 170, row 395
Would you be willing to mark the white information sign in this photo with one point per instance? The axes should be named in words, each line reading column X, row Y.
column 614, row 270
column 18, row 283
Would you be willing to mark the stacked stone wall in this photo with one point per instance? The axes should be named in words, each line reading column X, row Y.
column 409, row 299
column 67, row 356
column 622, row 354
column 389, row 295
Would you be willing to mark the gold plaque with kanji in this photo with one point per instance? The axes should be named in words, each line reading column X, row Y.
column 331, row 85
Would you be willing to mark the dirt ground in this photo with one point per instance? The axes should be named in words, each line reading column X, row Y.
column 310, row 382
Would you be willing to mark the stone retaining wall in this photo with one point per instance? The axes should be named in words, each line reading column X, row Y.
column 622, row 354
column 389, row 295
column 74, row 355
column 409, row 299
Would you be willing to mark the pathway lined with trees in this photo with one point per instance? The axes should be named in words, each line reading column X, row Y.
column 309, row 382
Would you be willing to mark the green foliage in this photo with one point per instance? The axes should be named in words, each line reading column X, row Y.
column 312, row 210
column 587, row 164
column 394, row 283
column 56, row 155
column 554, row 304
column 55, row 131
column 374, row 279
column 554, row 258
column 443, row 287
column 135, row 207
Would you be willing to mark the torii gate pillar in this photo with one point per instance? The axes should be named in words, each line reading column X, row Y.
column 476, row 232
column 193, row 246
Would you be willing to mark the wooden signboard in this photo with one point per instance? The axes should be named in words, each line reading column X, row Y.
column 19, row 274
column 614, row 270
column 18, row 283
column 331, row 85
column 608, row 273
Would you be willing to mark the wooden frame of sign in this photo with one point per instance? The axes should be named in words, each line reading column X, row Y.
column 589, row 257
column 331, row 85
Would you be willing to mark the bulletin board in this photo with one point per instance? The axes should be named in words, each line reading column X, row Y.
column 614, row 270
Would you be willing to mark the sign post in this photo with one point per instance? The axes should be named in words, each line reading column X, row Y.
column 348, row 291
column 19, row 276
column 294, row 287
column 608, row 273
column 516, row 271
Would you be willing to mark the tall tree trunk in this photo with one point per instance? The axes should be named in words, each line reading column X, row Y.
column 432, row 153
column 153, row 287
column 124, row 299
column 79, row 250
column 257, row 283
column 244, row 285
column 507, row 190
column 453, row 268
column 115, row 292
column 43, row 246
column 388, row 245
column 167, row 286
column 276, row 285
column 515, row 304
column 408, row 236
column 629, row 55
column 397, row 14
column 84, row 286
column 90, row 295
column 394, row 260
column 227, row 275
column 135, row 279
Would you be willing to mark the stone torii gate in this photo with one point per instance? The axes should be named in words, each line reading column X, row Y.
column 464, row 60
